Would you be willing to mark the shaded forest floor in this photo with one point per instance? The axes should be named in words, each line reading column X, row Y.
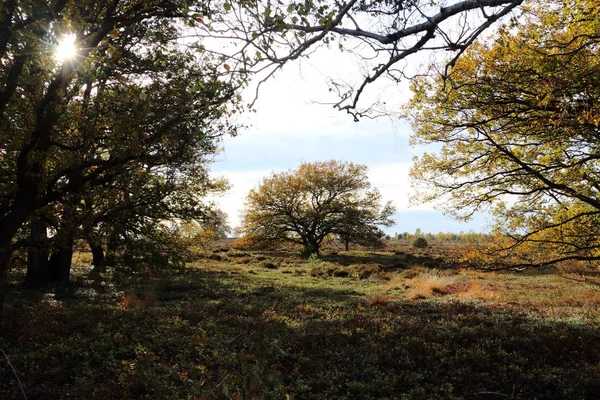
column 354, row 325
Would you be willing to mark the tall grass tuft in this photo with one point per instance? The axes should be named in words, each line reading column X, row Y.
column 430, row 283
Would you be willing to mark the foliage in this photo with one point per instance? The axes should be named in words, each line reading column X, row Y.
column 116, row 137
column 470, row 236
column 353, row 230
column 420, row 243
column 242, row 243
column 517, row 118
column 307, row 205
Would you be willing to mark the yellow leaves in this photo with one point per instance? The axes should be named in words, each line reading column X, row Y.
column 591, row 117
column 202, row 368
column 310, row 201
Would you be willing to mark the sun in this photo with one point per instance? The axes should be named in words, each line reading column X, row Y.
column 66, row 48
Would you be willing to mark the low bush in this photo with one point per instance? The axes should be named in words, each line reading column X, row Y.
column 420, row 243
column 328, row 270
column 380, row 300
column 241, row 244
column 340, row 273
column 236, row 253
column 367, row 270
column 268, row 265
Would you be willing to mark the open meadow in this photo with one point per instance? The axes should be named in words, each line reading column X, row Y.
column 400, row 323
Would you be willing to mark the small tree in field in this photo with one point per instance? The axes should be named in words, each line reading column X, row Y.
column 318, row 199
column 420, row 243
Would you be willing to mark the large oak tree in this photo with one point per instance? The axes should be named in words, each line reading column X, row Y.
column 307, row 205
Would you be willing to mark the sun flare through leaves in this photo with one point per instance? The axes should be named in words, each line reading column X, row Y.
column 66, row 48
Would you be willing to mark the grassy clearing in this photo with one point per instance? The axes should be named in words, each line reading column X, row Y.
column 269, row 325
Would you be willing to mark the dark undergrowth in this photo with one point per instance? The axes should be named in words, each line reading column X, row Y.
column 209, row 335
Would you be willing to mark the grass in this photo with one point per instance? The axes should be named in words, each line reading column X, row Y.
column 430, row 283
column 225, row 329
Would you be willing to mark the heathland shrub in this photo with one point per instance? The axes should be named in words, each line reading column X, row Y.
column 367, row 270
column 420, row 243
column 328, row 270
column 268, row 265
column 237, row 253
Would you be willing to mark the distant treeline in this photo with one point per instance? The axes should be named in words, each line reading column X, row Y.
column 442, row 236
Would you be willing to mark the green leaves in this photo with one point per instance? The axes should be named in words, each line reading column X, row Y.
column 131, row 122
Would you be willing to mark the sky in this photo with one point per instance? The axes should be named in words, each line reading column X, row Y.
column 291, row 126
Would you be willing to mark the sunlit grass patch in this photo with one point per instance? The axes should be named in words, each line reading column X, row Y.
column 430, row 283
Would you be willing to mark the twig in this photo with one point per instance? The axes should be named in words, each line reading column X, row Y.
column 14, row 372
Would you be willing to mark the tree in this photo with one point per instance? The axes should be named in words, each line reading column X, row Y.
column 361, row 226
column 381, row 33
column 213, row 226
column 216, row 224
column 129, row 211
column 315, row 201
column 518, row 121
column 132, row 98
column 420, row 243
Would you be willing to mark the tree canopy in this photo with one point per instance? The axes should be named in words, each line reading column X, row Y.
column 317, row 200
column 518, row 122
column 126, row 125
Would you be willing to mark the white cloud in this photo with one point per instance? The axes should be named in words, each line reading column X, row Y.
column 298, row 102
column 393, row 182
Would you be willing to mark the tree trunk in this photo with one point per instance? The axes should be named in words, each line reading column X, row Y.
column 37, row 256
column 4, row 257
column 111, row 249
column 59, row 265
column 347, row 243
column 97, row 256
column 66, row 258
column 9, row 226
column 311, row 247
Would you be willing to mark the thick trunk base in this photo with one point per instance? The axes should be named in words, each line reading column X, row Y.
column 3, row 282
column 59, row 266
column 97, row 256
column 37, row 256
